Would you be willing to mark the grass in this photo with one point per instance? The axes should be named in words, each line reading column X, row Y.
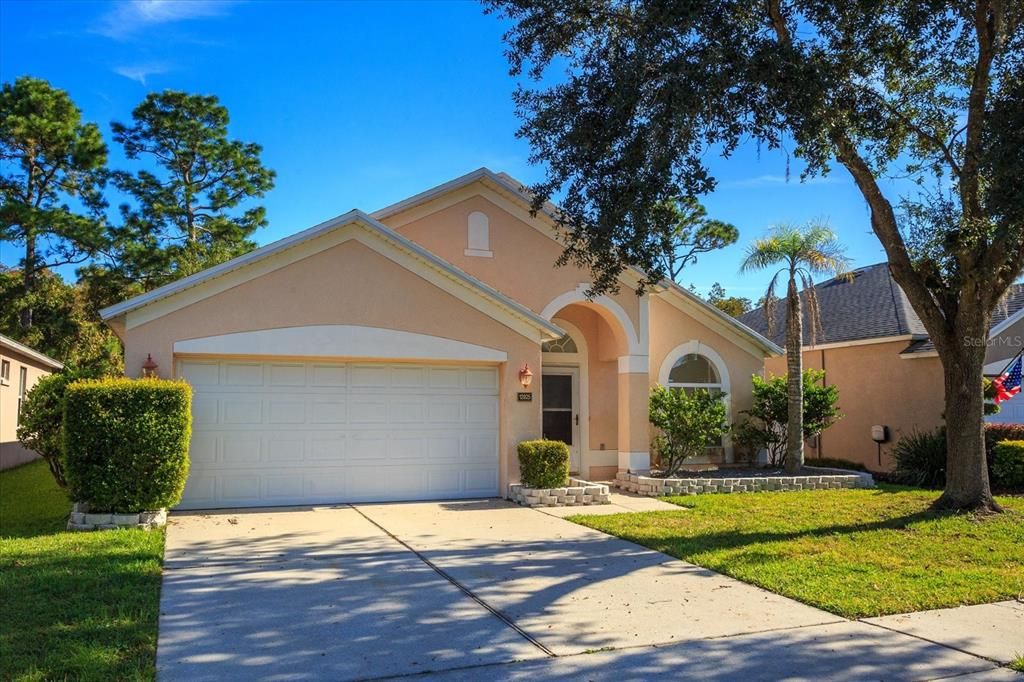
column 1017, row 664
column 73, row 605
column 855, row 553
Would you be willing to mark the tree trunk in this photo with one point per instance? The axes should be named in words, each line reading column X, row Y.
column 794, row 381
column 967, row 484
column 28, row 280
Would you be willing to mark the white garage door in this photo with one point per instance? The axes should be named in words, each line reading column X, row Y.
column 279, row 433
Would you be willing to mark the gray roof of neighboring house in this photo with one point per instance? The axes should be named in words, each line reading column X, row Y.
column 870, row 306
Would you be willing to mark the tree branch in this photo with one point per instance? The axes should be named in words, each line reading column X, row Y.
column 884, row 225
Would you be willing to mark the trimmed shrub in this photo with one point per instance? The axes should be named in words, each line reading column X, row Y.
column 921, row 459
column 1008, row 463
column 834, row 463
column 995, row 433
column 126, row 442
column 687, row 424
column 544, row 463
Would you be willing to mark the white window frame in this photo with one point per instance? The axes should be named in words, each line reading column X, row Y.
column 5, row 372
column 22, row 390
column 695, row 347
column 478, row 235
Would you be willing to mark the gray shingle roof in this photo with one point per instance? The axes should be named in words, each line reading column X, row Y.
column 871, row 306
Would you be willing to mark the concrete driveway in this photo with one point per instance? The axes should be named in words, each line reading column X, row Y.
column 485, row 589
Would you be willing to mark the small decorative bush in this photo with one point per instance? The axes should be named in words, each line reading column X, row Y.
column 126, row 442
column 688, row 423
column 544, row 463
column 1008, row 463
column 921, row 459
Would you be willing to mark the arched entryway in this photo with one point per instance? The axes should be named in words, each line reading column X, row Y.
column 594, row 386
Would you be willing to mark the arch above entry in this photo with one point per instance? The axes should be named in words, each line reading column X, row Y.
column 613, row 309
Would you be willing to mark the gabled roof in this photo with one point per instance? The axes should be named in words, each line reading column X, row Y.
column 20, row 348
column 512, row 188
column 354, row 217
column 868, row 307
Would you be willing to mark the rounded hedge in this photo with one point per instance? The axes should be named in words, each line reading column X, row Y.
column 126, row 442
column 1008, row 463
column 543, row 463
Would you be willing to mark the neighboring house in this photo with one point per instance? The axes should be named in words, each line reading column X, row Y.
column 383, row 356
column 20, row 369
column 875, row 349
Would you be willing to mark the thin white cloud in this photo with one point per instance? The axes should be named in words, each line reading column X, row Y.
column 770, row 180
column 128, row 19
column 140, row 72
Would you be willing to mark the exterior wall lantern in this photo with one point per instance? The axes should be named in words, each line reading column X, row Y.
column 149, row 367
column 525, row 376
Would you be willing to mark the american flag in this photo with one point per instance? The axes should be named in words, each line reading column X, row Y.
column 1008, row 383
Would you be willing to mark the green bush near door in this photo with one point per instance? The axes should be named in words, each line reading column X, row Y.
column 543, row 463
column 126, row 443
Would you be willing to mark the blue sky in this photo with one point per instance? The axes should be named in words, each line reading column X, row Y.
column 358, row 105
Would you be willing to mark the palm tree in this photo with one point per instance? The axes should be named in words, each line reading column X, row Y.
column 803, row 252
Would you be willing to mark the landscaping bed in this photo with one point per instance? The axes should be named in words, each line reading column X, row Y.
column 856, row 553
column 74, row 605
column 741, row 480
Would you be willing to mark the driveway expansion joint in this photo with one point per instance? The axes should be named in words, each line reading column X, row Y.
column 932, row 641
column 462, row 588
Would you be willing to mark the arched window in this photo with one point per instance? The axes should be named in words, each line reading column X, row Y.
column 478, row 235
column 693, row 371
column 562, row 345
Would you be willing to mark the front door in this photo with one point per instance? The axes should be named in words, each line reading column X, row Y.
column 559, row 390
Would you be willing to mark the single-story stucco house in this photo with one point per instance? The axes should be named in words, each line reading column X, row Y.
column 20, row 369
column 875, row 349
column 386, row 356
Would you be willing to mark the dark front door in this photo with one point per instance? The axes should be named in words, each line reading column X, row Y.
column 556, row 396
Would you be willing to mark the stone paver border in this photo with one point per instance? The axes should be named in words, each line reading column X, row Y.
column 577, row 494
column 656, row 487
column 82, row 519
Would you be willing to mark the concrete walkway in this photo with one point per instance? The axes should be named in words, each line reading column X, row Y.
column 487, row 589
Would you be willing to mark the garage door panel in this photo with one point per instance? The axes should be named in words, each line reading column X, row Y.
column 478, row 481
column 241, row 411
column 328, row 411
column 327, row 449
column 243, row 374
column 318, row 433
column 287, row 375
column 287, row 411
column 239, row 448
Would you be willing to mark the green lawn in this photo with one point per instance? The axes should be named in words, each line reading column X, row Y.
column 73, row 605
column 855, row 553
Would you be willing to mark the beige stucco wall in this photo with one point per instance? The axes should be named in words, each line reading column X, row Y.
column 670, row 328
column 11, row 451
column 523, row 264
column 876, row 386
column 351, row 284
